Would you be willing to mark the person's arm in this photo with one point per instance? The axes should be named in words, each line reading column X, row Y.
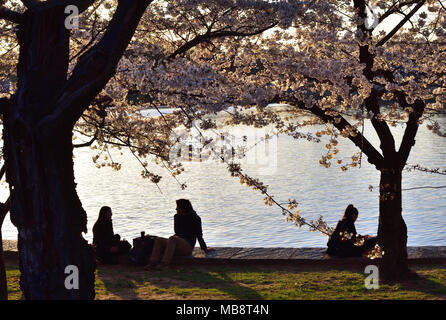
column 175, row 224
column 352, row 230
column 335, row 236
column 199, row 234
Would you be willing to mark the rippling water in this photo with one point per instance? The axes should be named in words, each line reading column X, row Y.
column 235, row 215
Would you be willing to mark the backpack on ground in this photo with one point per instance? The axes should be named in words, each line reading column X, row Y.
column 141, row 251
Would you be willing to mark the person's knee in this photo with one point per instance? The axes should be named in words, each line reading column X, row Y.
column 173, row 238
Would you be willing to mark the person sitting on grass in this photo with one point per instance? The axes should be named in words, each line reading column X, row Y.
column 187, row 227
column 107, row 244
column 342, row 241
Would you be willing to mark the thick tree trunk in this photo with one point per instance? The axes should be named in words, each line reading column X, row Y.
column 392, row 230
column 47, row 212
column 45, row 207
column 38, row 123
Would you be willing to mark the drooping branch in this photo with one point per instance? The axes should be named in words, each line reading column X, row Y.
column 340, row 123
column 256, row 184
column 98, row 65
column 423, row 169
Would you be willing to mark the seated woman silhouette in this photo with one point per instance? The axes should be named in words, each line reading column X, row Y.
column 342, row 241
column 187, row 227
column 107, row 244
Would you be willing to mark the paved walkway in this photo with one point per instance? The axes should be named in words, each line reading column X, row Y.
column 224, row 255
column 426, row 254
column 9, row 245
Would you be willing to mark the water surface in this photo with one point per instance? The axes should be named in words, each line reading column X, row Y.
column 235, row 215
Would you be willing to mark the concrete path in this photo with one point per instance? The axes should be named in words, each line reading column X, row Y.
column 238, row 255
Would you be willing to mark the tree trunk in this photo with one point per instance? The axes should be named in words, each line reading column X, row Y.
column 37, row 133
column 4, row 208
column 392, row 230
column 3, row 280
column 38, row 152
column 46, row 210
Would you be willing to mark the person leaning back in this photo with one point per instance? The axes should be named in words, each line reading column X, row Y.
column 188, row 229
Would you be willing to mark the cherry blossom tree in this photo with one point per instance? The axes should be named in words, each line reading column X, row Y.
column 328, row 59
column 61, row 80
column 342, row 62
column 384, row 76
column 37, row 134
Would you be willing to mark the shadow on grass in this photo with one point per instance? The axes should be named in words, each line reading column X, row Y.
column 420, row 282
column 423, row 283
column 204, row 279
column 116, row 282
column 174, row 282
column 248, row 283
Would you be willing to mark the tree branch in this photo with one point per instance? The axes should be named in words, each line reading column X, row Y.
column 2, row 171
column 381, row 126
column 408, row 140
column 4, row 209
column 401, row 24
column 3, row 105
column 92, row 40
column 418, row 107
column 98, row 65
column 214, row 35
column 371, row 102
column 340, row 123
column 82, row 5
column 396, row 8
column 10, row 15
column 30, row 3
column 88, row 143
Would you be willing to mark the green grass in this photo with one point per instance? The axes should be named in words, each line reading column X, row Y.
column 13, row 277
column 238, row 282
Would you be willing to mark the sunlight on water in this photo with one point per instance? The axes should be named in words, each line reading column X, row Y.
column 235, row 215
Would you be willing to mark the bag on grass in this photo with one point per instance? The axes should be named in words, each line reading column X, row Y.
column 141, row 251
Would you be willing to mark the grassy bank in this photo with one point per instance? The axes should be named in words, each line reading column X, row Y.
column 238, row 282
